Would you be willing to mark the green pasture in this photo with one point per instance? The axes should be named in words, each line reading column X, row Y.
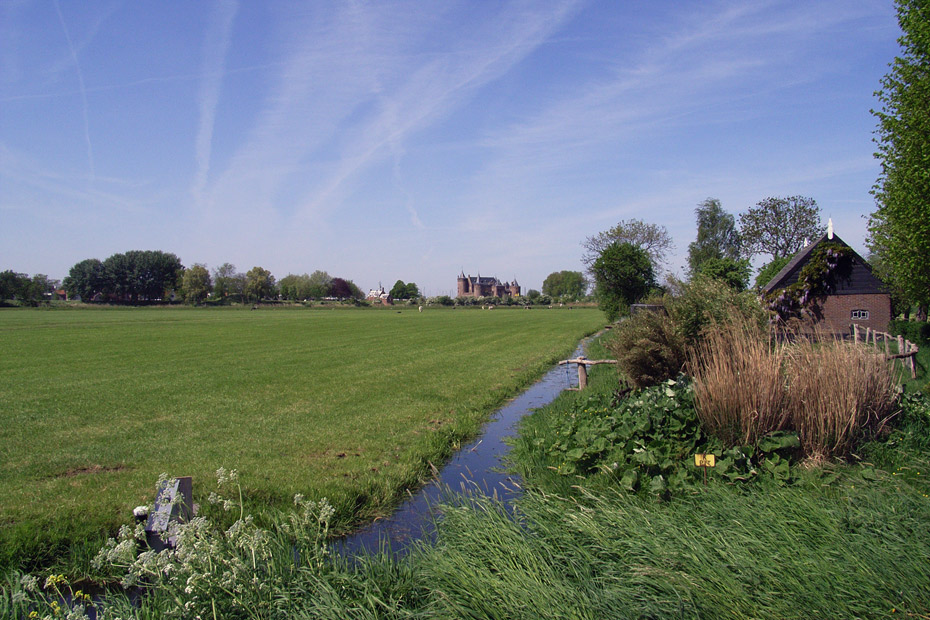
column 351, row 404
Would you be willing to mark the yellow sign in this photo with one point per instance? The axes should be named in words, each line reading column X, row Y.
column 704, row 460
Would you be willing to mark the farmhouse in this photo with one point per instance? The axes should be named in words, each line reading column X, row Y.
column 377, row 295
column 860, row 299
column 477, row 286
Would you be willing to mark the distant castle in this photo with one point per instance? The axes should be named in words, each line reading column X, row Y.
column 486, row 287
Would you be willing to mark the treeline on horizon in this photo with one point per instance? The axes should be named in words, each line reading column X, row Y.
column 152, row 276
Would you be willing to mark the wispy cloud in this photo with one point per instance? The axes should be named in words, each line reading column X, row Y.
column 80, row 76
column 360, row 86
column 215, row 47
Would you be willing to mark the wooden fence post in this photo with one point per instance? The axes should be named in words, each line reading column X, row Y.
column 886, row 338
column 855, row 333
column 912, row 349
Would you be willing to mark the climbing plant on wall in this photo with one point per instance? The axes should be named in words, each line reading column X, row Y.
column 828, row 265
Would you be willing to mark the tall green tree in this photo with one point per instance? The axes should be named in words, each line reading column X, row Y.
column 141, row 274
column 899, row 229
column 734, row 272
column 15, row 285
column 196, row 284
column 770, row 270
column 623, row 274
column 225, row 282
column 652, row 238
column 399, row 290
column 413, row 291
column 717, row 237
column 320, row 283
column 294, row 287
column 780, row 226
column 566, row 284
column 259, row 284
column 86, row 279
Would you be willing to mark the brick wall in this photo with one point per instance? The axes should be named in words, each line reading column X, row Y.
column 838, row 311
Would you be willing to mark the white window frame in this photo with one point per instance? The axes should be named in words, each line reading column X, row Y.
column 859, row 315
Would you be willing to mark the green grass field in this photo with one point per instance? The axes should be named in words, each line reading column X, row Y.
column 351, row 404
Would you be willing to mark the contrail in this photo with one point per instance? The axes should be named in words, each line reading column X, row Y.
column 90, row 148
column 216, row 46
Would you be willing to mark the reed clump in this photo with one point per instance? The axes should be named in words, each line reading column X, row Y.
column 748, row 384
column 739, row 385
column 839, row 392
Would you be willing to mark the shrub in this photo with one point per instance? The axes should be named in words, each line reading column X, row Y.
column 703, row 301
column 916, row 331
column 648, row 348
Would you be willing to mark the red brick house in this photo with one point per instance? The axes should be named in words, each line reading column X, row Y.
column 861, row 299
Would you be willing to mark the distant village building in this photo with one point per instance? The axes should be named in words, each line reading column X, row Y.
column 377, row 295
column 477, row 286
column 862, row 299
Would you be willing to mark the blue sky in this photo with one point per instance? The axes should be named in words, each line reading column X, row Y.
column 411, row 140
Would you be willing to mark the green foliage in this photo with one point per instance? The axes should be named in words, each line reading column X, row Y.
column 732, row 272
column 295, row 287
column 643, row 441
column 399, row 290
column 917, row 332
column 86, row 279
column 196, row 284
column 17, row 286
column 717, row 237
column 623, row 274
column 404, row 291
column 899, row 229
column 259, row 284
column 827, row 267
column 228, row 284
column 141, row 275
column 648, row 348
column 780, row 226
column 647, row 442
column 566, row 284
column 769, row 271
column 704, row 300
column 651, row 238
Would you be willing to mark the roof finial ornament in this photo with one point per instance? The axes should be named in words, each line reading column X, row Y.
column 830, row 228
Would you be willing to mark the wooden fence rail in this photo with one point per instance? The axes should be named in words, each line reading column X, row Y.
column 583, row 364
column 906, row 349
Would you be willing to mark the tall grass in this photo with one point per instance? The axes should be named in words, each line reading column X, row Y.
column 739, row 387
column 832, row 393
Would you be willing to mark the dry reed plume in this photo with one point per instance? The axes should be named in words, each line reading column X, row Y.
column 830, row 392
column 739, row 388
column 839, row 391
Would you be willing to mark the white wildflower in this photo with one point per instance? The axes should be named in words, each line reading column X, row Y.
column 29, row 583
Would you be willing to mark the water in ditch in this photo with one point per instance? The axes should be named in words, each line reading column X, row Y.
column 476, row 468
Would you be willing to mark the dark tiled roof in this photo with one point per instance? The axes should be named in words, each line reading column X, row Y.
column 861, row 280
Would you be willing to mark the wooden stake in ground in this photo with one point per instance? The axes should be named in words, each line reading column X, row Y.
column 583, row 363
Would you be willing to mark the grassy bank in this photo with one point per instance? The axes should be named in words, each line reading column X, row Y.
column 344, row 403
